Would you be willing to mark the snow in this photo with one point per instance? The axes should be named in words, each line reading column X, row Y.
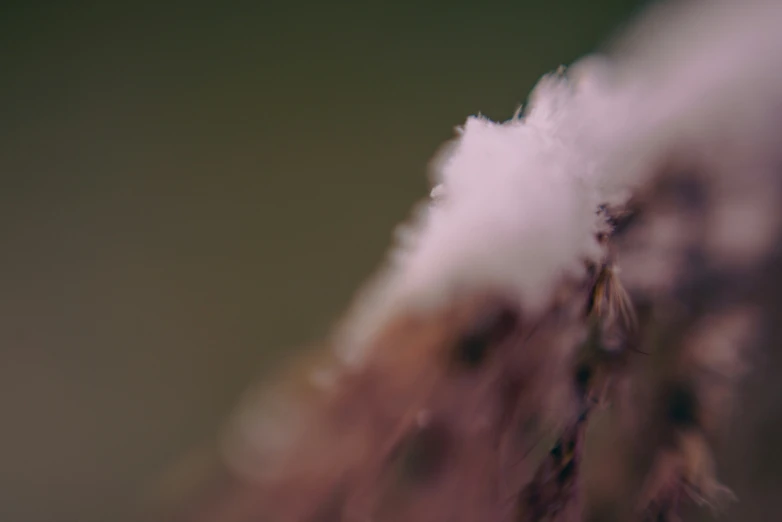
column 514, row 204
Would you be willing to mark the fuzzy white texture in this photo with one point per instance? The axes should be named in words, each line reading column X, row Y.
column 514, row 204
column 499, row 224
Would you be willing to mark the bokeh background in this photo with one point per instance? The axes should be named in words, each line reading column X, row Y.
column 189, row 191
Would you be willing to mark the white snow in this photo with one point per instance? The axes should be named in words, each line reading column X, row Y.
column 514, row 204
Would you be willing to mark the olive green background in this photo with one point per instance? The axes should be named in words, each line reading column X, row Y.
column 189, row 191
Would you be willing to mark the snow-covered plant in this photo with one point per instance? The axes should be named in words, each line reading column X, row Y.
column 600, row 254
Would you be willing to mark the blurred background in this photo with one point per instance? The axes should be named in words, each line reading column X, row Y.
column 192, row 190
